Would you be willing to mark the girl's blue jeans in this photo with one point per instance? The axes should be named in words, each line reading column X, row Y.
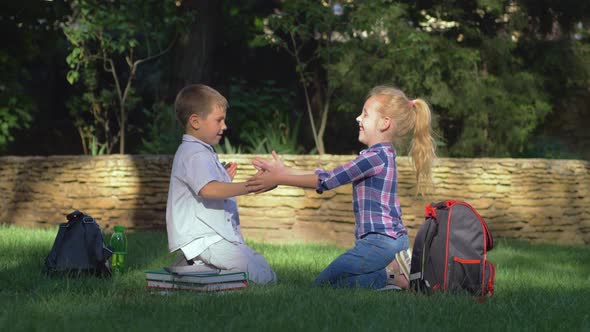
column 364, row 265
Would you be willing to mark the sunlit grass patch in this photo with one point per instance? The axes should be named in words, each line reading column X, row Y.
column 538, row 287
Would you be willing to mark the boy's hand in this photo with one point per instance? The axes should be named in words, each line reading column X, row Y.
column 231, row 168
column 261, row 182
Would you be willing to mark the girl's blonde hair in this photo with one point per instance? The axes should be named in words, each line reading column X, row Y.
column 411, row 116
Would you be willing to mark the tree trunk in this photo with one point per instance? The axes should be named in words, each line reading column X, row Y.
column 122, row 131
column 320, row 107
column 192, row 54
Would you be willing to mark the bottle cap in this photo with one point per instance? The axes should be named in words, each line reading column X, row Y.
column 119, row 229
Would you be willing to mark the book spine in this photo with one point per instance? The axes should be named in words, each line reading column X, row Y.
column 197, row 279
column 193, row 288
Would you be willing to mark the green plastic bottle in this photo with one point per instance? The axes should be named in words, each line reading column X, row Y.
column 119, row 245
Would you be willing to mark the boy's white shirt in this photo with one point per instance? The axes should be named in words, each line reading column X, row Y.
column 193, row 222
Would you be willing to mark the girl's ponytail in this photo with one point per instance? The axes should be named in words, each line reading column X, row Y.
column 422, row 149
column 411, row 115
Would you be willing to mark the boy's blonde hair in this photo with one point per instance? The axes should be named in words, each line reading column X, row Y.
column 411, row 116
column 197, row 99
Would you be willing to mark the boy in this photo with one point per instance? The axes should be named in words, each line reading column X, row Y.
column 202, row 214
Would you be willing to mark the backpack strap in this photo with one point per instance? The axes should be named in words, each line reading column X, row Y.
column 97, row 252
column 51, row 259
column 431, row 231
column 90, row 237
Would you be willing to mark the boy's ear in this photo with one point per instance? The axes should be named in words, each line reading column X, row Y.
column 194, row 121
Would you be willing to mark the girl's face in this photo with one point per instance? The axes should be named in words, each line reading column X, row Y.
column 371, row 122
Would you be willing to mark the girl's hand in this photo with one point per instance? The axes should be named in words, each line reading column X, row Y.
column 262, row 164
column 232, row 169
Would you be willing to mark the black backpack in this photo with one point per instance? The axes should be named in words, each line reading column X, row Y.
column 78, row 249
column 450, row 251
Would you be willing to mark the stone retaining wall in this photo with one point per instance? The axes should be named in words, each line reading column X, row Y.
column 532, row 199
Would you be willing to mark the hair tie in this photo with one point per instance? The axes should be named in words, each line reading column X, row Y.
column 412, row 102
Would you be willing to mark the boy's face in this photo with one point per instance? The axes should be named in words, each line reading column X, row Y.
column 209, row 129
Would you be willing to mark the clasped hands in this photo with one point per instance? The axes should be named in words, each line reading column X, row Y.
column 268, row 175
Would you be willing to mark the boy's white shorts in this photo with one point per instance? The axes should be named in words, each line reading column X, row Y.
column 239, row 257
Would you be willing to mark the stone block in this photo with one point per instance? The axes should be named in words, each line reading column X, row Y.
column 287, row 191
column 533, row 199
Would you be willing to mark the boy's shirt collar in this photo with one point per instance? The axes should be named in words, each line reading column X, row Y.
column 193, row 139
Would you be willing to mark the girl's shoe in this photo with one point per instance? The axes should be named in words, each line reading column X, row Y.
column 389, row 287
column 398, row 271
column 404, row 260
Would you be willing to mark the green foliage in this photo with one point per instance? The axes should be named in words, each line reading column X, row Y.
column 14, row 114
column 552, row 148
column 252, row 104
column 316, row 37
column 26, row 31
column 505, row 78
column 486, row 103
column 162, row 133
column 258, row 116
column 116, row 38
column 227, row 148
column 464, row 60
column 278, row 135
column 97, row 149
column 102, row 31
column 93, row 116
column 564, row 66
column 495, row 100
column 499, row 116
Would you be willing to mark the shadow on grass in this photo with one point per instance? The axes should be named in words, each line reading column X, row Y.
column 22, row 264
column 299, row 264
column 148, row 249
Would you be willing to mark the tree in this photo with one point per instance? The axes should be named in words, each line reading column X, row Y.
column 556, row 46
column 501, row 101
column 191, row 57
column 314, row 33
column 119, row 37
column 27, row 29
column 463, row 59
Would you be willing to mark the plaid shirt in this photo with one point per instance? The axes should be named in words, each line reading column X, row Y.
column 374, row 181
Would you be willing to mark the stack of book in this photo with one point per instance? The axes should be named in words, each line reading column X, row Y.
column 206, row 280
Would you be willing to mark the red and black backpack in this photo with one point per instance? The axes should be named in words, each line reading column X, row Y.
column 450, row 251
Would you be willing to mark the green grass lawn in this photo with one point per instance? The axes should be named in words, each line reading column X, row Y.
column 538, row 287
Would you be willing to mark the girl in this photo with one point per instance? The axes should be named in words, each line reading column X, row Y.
column 381, row 237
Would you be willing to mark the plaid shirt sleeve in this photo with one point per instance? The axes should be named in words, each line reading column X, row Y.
column 364, row 166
